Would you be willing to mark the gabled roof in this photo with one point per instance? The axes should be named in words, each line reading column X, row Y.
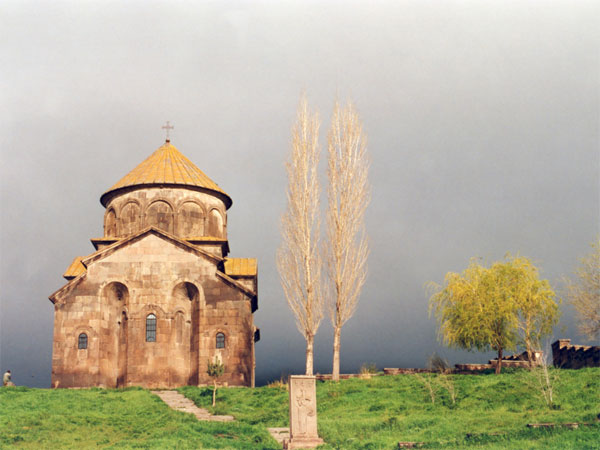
column 167, row 166
column 198, row 240
column 236, row 284
column 241, row 267
column 67, row 287
column 80, row 264
column 140, row 234
column 75, row 269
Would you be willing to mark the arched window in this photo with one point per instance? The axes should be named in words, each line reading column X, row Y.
column 82, row 341
column 220, row 340
column 151, row 328
column 215, row 224
column 179, row 325
column 110, row 225
column 191, row 220
column 129, row 219
column 160, row 215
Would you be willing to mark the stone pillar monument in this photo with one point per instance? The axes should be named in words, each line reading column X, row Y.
column 303, row 413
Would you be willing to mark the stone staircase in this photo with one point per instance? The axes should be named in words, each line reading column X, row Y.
column 279, row 434
column 179, row 402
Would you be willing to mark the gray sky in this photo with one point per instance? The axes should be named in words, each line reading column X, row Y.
column 482, row 119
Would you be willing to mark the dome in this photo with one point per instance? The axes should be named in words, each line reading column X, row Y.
column 166, row 166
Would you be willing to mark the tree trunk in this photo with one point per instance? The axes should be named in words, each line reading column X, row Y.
column 335, row 372
column 499, row 365
column 530, row 357
column 214, row 393
column 309, row 354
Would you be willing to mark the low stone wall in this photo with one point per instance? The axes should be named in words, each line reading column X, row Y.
column 472, row 367
column 343, row 376
column 492, row 365
column 512, row 363
column 567, row 356
column 520, row 360
column 404, row 371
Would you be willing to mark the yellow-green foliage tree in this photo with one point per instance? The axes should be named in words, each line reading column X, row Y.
column 535, row 301
column 497, row 308
column 584, row 294
column 215, row 370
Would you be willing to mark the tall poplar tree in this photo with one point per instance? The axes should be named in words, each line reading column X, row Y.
column 347, row 248
column 299, row 260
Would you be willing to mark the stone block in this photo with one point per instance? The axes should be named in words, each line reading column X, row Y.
column 303, row 413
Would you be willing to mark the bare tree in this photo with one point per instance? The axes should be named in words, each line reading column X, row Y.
column 348, row 196
column 584, row 294
column 298, row 259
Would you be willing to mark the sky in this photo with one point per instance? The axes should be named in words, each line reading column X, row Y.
column 482, row 120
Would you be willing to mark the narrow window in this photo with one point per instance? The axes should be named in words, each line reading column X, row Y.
column 220, row 340
column 151, row 328
column 82, row 341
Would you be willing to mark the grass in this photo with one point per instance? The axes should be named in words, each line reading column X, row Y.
column 115, row 418
column 489, row 412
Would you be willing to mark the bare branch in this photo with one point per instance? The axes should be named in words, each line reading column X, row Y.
column 348, row 197
column 584, row 294
column 298, row 259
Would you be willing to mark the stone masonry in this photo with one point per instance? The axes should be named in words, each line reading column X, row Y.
column 569, row 356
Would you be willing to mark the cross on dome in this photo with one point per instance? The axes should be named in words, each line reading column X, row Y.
column 167, row 127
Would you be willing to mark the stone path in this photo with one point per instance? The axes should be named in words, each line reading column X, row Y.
column 279, row 434
column 180, row 403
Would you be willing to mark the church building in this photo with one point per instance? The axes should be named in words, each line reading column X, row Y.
column 159, row 298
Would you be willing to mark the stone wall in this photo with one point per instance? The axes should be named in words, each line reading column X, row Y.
column 151, row 277
column 567, row 356
column 186, row 213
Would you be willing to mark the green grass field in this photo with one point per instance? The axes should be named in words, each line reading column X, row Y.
column 489, row 412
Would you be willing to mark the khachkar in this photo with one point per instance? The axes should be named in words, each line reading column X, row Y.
column 303, row 413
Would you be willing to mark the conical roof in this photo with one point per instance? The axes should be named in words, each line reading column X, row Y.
column 166, row 165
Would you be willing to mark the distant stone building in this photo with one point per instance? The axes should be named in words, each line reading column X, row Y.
column 567, row 356
column 159, row 297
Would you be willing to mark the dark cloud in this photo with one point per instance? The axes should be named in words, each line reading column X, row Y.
column 482, row 121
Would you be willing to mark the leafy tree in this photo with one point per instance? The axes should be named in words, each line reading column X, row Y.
column 584, row 294
column 215, row 370
column 495, row 308
column 535, row 300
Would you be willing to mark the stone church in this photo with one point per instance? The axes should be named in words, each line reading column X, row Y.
column 159, row 297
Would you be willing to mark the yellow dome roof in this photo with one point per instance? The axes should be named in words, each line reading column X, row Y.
column 166, row 165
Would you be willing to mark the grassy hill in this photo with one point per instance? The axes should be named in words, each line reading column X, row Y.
column 488, row 412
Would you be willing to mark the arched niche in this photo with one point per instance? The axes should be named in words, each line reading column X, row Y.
column 188, row 302
column 215, row 223
column 121, row 343
column 130, row 218
column 110, row 223
column 185, row 291
column 113, row 339
column 191, row 220
column 160, row 215
column 115, row 292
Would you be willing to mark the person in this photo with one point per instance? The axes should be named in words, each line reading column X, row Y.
column 6, row 379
